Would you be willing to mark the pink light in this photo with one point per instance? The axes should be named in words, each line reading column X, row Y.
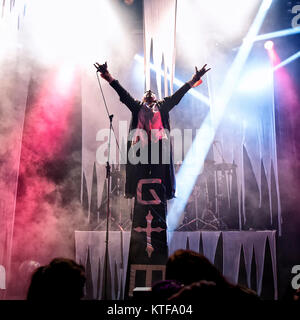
column 64, row 78
column 269, row 45
column 47, row 132
column 274, row 58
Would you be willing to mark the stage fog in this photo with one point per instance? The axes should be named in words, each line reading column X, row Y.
column 234, row 139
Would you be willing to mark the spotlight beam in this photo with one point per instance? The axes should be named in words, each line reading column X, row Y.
column 194, row 161
column 287, row 61
column 177, row 82
column 277, row 34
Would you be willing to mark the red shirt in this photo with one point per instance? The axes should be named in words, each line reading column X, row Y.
column 149, row 119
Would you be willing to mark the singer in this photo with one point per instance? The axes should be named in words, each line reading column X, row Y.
column 149, row 130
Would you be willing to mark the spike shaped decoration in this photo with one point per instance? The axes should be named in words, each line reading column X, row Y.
column 159, row 35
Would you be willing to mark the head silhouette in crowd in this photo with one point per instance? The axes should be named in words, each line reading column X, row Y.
column 61, row 279
column 202, row 279
column 188, row 266
column 204, row 291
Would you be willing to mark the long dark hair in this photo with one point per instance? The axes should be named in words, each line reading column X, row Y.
column 188, row 266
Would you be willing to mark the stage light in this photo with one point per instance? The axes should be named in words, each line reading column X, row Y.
column 277, row 34
column 27, row 267
column 269, row 45
column 194, row 34
column 59, row 30
column 65, row 78
column 256, row 80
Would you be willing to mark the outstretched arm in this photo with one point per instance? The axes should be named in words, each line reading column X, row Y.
column 173, row 100
column 125, row 97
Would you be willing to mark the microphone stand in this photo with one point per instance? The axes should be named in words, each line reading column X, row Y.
column 102, row 69
column 108, row 175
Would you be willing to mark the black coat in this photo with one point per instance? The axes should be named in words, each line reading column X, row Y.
column 164, row 106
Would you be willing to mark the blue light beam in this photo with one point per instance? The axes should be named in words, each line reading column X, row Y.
column 193, row 163
column 277, row 34
column 287, row 61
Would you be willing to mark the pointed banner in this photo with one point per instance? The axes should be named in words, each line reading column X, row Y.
column 118, row 256
column 160, row 30
column 259, row 242
column 231, row 255
column 80, row 246
column 95, row 243
column 250, row 131
column 272, row 243
column 114, row 248
column 194, row 240
column 176, row 240
column 232, row 242
column 97, row 254
column 252, row 242
column 248, row 255
column 210, row 242
column 125, row 251
column 14, row 80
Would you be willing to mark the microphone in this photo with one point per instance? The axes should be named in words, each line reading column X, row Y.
column 102, row 68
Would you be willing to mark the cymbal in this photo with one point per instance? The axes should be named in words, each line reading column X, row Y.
column 209, row 162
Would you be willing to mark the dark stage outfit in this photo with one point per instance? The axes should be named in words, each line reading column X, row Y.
column 147, row 118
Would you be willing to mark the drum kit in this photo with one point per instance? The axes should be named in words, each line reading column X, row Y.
column 211, row 194
column 121, row 208
column 206, row 206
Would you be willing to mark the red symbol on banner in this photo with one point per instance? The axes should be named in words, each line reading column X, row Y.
column 156, row 200
column 148, row 231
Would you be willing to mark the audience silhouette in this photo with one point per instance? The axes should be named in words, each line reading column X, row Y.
column 61, row 279
column 191, row 276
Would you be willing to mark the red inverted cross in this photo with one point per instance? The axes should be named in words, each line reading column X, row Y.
column 148, row 231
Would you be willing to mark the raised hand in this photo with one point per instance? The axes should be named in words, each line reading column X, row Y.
column 102, row 68
column 196, row 79
column 200, row 73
